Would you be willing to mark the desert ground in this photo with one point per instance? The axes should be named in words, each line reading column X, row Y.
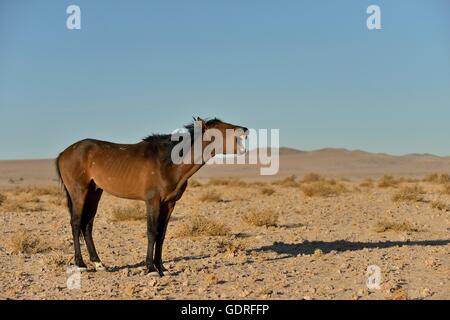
column 303, row 236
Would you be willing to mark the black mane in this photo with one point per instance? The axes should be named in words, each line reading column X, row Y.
column 163, row 142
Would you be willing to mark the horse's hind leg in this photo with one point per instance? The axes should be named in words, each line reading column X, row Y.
column 87, row 222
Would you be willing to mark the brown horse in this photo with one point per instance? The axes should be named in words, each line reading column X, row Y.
column 142, row 171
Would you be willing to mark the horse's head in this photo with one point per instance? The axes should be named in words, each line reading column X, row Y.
column 233, row 136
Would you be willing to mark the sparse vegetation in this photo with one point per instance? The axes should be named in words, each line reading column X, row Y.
column 261, row 218
column 56, row 259
column 227, row 182
column 194, row 183
column 324, row 188
column 202, row 226
column 26, row 243
column 290, row 181
column 439, row 205
column 438, row 178
column 312, row 177
column 2, row 198
column 133, row 212
column 446, row 189
column 384, row 226
column 387, row 181
column 409, row 193
column 267, row 191
column 211, row 196
column 367, row 183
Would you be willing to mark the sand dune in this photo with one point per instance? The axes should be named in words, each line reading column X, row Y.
column 330, row 161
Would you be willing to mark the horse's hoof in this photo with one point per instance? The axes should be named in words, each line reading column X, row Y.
column 154, row 274
column 99, row 266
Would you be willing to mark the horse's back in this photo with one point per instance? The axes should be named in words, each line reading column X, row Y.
column 117, row 168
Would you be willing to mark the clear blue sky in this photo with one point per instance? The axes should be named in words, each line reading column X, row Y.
column 310, row 68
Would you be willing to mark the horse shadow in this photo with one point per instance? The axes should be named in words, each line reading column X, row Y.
column 309, row 247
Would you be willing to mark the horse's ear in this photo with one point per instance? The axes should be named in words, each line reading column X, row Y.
column 203, row 122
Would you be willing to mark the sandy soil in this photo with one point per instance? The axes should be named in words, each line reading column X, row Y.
column 320, row 247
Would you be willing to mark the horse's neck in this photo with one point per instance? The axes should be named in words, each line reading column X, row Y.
column 186, row 170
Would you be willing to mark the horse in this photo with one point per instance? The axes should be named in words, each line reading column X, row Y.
column 142, row 171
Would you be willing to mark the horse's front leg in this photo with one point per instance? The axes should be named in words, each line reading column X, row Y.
column 164, row 217
column 153, row 211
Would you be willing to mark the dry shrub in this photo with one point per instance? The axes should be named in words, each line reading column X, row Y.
column 384, row 226
column 409, row 193
column 202, row 226
column 57, row 259
column 367, row 183
column 133, row 212
column 261, row 218
column 26, row 243
column 267, row 191
column 439, row 205
column 312, row 177
column 211, row 196
column 324, row 188
column 387, row 181
column 227, row 182
column 218, row 182
column 397, row 294
column 194, row 183
column 2, row 198
column 231, row 248
column 23, row 206
column 437, row 178
column 287, row 182
column 38, row 191
column 446, row 189
column 212, row 279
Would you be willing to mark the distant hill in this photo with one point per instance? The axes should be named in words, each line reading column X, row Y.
column 332, row 162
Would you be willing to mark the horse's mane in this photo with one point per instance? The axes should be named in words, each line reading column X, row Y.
column 164, row 144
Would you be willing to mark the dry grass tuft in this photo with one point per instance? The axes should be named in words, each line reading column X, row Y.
column 194, row 183
column 290, row 181
column 367, row 183
column 413, row 193
column 267, row 191
column 261, row 218
column 387, row 181
column 211, row 196
column 227, row 182
column 384, row 226
column 312, row 177
column 202, row 226
column 439, row 205
column 437, row 178
column 133, row 212
column 446, row 189
column 38, row 191
column 2, row 198
column 231, row 248
column 26, row 243
column 324, row 188
column 57, row 259
column 397, row 294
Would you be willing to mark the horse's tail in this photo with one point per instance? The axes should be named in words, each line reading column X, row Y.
column 58, row 171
